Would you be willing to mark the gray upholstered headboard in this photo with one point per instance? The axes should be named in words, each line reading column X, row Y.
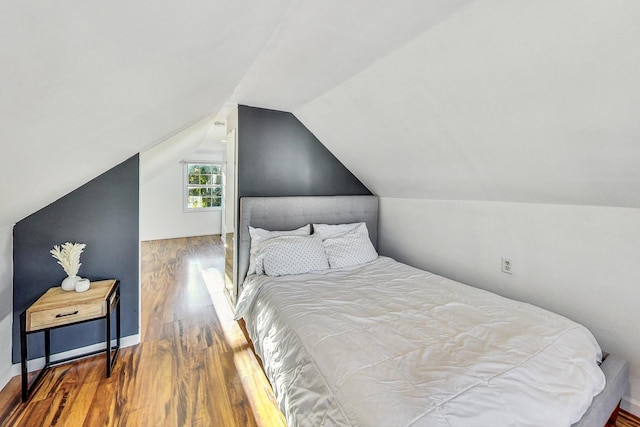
column 288, row 213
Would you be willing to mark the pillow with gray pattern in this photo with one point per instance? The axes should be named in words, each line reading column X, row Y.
column 327, row 230
column 350, row 248
column 281, row 256
column 259, row 235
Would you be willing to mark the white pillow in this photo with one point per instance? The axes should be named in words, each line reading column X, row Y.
column 259, row 234
column 327, row 230
column 285, row 255
column 350, row 248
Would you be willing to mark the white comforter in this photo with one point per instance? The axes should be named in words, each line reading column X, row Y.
column 385, row 344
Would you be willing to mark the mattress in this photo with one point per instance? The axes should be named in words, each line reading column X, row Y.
column 385, row 344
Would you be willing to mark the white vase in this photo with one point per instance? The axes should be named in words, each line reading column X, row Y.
column 69, row 283
column 83, row 285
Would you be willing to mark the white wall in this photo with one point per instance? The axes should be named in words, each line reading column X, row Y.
column 161, row 207
column 231, row 157
column 578, row 261
column 161, row 182
column 230, row 178
column 6, row 302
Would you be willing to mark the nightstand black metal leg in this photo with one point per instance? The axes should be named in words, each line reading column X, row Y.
column 118, row 322
column 108, row 343
column 47, row 348
column 23, row 356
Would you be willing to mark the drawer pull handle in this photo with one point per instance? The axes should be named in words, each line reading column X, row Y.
column 66, row 314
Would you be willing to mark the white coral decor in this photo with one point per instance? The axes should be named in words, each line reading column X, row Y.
column 69, row 257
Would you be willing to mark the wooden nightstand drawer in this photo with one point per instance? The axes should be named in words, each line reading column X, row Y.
column 64, row 315
column 58, row 307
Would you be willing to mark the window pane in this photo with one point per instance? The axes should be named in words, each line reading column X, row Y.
column 204, row 187
column 193, row 202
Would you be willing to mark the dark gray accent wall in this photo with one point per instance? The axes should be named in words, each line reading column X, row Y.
column 279, row 156
column 104, row 214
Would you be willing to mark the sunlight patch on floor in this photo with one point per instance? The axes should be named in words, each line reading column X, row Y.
column 214, row 281
column 257, row 388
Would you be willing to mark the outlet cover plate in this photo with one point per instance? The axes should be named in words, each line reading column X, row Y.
column 507, row 266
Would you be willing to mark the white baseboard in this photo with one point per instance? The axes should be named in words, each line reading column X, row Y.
column 35, row 364
column 6, row 376
column 630, row 405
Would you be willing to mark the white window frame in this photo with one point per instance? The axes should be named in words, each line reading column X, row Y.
column 186, row 185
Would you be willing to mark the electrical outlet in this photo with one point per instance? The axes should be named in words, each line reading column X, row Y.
column 507, row 266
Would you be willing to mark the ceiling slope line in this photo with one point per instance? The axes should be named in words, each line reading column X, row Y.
column 287, row 13
column 382, row 56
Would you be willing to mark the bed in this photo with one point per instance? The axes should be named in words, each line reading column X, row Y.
column 356, row 345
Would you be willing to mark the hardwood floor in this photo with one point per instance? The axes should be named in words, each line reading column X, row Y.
column 193, row 367
column 626, row 419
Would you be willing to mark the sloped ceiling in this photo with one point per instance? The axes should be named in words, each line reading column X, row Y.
column 485, row 100
column 512, row 101
column 87, row 84
column 320, row 44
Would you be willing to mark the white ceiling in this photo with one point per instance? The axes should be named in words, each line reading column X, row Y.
column 86, row 84
column 320, row 44
column 534, row 102
column 490, row 100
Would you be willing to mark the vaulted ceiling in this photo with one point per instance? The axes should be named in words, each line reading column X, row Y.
column 445, row 99
column 522, row 101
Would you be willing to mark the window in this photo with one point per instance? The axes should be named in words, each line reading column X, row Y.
column 203, row 186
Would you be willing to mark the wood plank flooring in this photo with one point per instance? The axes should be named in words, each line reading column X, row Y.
column 193, row 367
column 626, row 419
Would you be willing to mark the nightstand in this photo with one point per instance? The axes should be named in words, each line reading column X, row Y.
column 57, row 308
